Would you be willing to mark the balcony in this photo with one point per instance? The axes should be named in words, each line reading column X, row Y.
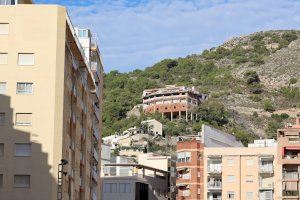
column 286, row 194
column 214, row 168
column 266, row 168
column 95, row 175
column 96, row 155
column 266, row 185
column 290, row 176
column 266, row 195
column 96, row 133
column 213, row 196
column 215, row 185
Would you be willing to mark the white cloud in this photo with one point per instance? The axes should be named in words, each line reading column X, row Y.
column 136, row 35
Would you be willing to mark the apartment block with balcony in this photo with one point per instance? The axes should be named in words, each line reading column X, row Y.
column 172, row 102
column 289, row 160
column 54, row 78
column 239, row 173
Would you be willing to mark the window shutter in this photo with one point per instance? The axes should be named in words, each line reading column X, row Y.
column 4, row 28
column 26, row 59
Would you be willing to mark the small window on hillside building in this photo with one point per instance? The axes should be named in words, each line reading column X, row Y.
column 22, row 181
column 24, row 119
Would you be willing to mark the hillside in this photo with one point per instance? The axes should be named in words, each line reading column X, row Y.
column 253, row 82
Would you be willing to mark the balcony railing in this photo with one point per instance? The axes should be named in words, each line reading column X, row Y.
column 266, row 185
column 214, row 169
column 214, row 185
column 266, row 168
column 290, row 175
column 286, row 193
column 96, row 155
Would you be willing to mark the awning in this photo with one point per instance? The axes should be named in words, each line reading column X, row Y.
column 179, row 169
column 182, row 185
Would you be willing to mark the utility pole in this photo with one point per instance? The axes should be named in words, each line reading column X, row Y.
column 60, row 174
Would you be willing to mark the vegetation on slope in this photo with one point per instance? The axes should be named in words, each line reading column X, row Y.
column 215, row 73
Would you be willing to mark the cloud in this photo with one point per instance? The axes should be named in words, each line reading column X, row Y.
column 137, row 33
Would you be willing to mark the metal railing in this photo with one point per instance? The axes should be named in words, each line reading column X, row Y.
column 214, row 168
column 214, row 185
column 266, row 168
column 290, row 175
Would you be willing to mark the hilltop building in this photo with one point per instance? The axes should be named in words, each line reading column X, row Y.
column 53, row 75
column 172, row 101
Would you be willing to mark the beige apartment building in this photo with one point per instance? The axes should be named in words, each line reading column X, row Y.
column 240, row 173
column 51, row 80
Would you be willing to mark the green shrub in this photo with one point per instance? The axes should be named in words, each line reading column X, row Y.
column 272, row 129
column 293, row 81
column 268, row 106
column 255, row 97
column 251, row 77
column 280, row 117
column 290, row 92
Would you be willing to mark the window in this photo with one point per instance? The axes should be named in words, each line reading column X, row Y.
column 3, row 58
column 26, row 59
column 249, row 178
column 4, row 27
column 83, row 33
column 249, row 162
column 230, row 195
column 23, row 119
column 2, row 87
column 124, row 188
column 2, row 119
column 110, row 188
column 184, row 157
column 249, row 196
column 22, row 181
column 230, row 162
column 7, row 2
column 24, row 88
column 23, row 150
column 1, row 149
column 230, row 178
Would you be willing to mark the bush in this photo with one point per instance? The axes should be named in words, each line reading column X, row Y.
column 290, row 92
column 255, row 114
column 272, row 129
column 293, row 81
column 268, row 106
column 280, row 117
column 255, row 97
column 251, row 77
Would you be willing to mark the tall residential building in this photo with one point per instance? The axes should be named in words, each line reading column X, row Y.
column 240, row 173
column 190, row 160
column 51, row 80
column 288, row 154
column 172, row 102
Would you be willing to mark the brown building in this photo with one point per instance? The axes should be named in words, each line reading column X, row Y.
column 172, row 101
column 189, row 170
column 289, row 160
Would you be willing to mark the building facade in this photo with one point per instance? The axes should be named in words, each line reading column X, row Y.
column 54, row 86
column 240, row 173
column 172, row 102
column 288, row 154
column 138, row 183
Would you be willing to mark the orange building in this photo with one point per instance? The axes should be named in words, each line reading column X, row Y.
column 289, row 160
column 172, row 101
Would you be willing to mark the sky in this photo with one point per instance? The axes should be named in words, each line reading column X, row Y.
column 134, row 34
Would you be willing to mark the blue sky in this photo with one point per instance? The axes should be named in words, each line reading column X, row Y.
column 138, row 33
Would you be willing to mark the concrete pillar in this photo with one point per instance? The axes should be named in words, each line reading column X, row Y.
column 196, row 116
column 143, row 172
column 179, row 115
column 191, row 116
column 186, row 115
column 171, row 116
